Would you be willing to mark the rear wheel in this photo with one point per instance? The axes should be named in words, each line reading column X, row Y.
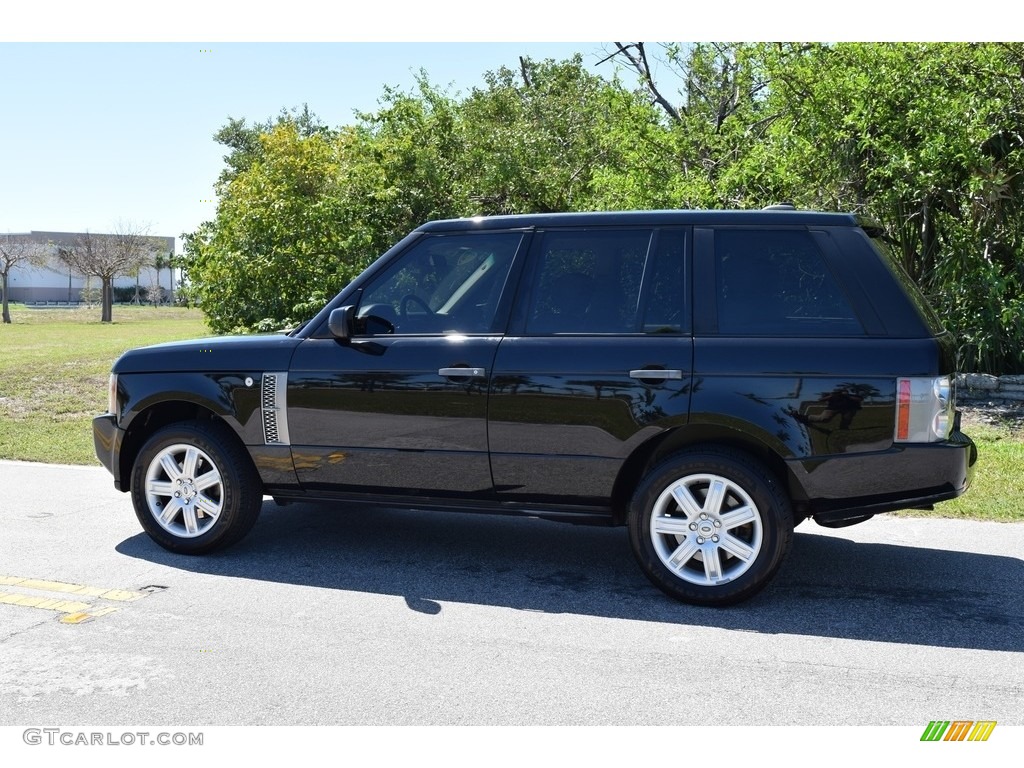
column 194, row 488
column 710, row 526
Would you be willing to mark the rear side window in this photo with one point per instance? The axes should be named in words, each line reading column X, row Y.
column 588, row 281
column 910, row 288
column 776, row 282
column 665, row 306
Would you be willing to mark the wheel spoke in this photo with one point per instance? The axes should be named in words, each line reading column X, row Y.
column 683, row 554
column 160, row 488
column 671, row 526
column 170, row 511
column 208, row 506
column 188, row 515
column 712, row 564
column 685, row 500
column 207, row 479
column 738, row 517
column 188, row 468
column 735, row 547
column 715, row 498
column 170, row 467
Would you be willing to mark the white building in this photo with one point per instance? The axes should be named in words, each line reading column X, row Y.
column 56, row 282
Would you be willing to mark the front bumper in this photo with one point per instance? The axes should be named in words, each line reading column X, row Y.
column 107, row 438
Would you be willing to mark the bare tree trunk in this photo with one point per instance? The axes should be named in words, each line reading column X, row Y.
column 7, row 312
column 108, row 301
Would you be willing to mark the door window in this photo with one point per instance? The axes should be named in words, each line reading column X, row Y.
column 443, row 284
column 587, row 281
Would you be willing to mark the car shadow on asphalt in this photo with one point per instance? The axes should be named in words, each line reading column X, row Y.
column 829, row 586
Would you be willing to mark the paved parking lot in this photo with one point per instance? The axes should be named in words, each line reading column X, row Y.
column 350, row 616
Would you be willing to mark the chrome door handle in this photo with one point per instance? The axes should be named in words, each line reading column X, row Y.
column 462, row 373
column 656, row 373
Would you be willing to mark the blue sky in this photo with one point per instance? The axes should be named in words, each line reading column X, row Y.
column 109, row 131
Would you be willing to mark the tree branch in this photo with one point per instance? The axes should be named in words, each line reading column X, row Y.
column 642, row 67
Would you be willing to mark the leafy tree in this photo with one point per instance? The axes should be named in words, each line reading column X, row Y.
column 243, row 140
column 548, row 137
column 272, row 252
column 924, row 138
column 401, row 167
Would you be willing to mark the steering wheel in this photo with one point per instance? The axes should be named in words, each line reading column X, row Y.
column 413, row 299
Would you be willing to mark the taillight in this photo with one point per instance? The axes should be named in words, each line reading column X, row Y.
column 924, row 409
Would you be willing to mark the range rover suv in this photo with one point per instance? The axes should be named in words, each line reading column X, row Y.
column 707, row 379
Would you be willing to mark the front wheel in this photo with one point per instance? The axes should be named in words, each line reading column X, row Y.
column 194, row 488
column 710, row 526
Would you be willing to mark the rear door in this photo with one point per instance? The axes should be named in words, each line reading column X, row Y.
column 597, row 360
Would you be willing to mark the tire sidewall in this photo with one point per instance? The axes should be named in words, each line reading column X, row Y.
column 762, row 487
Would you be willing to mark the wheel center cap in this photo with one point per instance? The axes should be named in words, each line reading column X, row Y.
column 188, row 490
column 706, row 529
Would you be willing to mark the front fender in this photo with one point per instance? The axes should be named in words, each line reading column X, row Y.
column 234, row 397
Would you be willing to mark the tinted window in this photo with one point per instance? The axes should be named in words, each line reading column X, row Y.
column 910, row 288
column 776, row 282
column 587, row 282
column 666, row 301
column 443, row 284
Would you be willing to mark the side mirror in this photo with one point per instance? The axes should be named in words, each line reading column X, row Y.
column 341, row 321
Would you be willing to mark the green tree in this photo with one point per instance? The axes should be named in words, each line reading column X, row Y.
column 549, row 137
column 273, row 251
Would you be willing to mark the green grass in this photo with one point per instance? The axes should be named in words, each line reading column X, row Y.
column 997, row 491
column 54, row 365
column 53, row 380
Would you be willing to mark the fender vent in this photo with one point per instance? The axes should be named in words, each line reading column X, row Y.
column 273, row 402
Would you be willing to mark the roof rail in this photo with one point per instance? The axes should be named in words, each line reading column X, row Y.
column 780, row 207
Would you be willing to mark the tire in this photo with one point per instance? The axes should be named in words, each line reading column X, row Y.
column 219, row 494
column 710, row 526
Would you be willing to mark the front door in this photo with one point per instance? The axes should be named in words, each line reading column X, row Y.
column 402, row 409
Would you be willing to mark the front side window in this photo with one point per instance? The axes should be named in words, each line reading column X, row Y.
column 776, row 282
column 442, row 284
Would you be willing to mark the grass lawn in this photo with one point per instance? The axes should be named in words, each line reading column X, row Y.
column 54, row 365
column 997, row 492
column 53, row 379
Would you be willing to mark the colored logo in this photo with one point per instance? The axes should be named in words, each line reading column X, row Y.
column 958, row 730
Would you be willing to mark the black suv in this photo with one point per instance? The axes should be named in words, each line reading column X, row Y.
column 706, row 378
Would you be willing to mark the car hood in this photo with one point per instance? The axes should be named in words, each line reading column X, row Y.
column 218, row 353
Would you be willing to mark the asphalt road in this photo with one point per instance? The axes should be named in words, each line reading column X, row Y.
column 348, row 616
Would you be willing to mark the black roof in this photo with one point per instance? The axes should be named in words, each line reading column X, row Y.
column 646, row 218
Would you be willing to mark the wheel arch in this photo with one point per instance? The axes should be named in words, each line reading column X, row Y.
column 155, row 417
column 650, row 453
